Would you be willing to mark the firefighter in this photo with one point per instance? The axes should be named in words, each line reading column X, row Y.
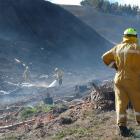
column 59, row 75
column 26, row 74
column 125, row 58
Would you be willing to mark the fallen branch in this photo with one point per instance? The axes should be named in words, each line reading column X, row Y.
column 11, row 114
column 16, row 125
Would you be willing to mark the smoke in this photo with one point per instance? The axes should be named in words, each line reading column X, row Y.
column 67, row 43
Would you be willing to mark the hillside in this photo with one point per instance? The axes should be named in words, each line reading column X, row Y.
column 44, row 35
column 107, row 25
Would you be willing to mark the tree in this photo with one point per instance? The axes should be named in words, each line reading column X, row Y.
column 113, row 8
column 106, row 7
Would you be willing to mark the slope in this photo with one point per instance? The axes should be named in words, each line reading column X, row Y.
column 109, row 26
column 44, row 35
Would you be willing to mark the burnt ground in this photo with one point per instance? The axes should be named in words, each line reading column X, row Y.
column 90, row 126
column 90, row 118
column 79, row 122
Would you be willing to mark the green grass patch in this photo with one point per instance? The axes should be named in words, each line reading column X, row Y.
column 76, row 132
column 28, row 112
column 44, row 107
column 10, row 138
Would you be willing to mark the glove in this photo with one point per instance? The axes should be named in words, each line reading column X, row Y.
column 113, row 65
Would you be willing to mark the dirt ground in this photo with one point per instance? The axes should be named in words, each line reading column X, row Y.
column 90, row 125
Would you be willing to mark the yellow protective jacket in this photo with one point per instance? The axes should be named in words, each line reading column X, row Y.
column 126, row 56
column 59, row 74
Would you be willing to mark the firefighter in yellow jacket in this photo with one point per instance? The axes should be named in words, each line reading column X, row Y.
column 125, row 58
column 26, row 74
column 59, row 76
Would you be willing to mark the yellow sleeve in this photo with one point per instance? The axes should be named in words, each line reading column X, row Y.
column 108, row 57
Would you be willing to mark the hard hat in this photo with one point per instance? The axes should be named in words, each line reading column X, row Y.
column 130, row 31
column 27, row 67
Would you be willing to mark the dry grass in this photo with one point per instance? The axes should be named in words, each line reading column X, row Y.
column 90, row 126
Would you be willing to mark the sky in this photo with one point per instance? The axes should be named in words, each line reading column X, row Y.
column 77, row 2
